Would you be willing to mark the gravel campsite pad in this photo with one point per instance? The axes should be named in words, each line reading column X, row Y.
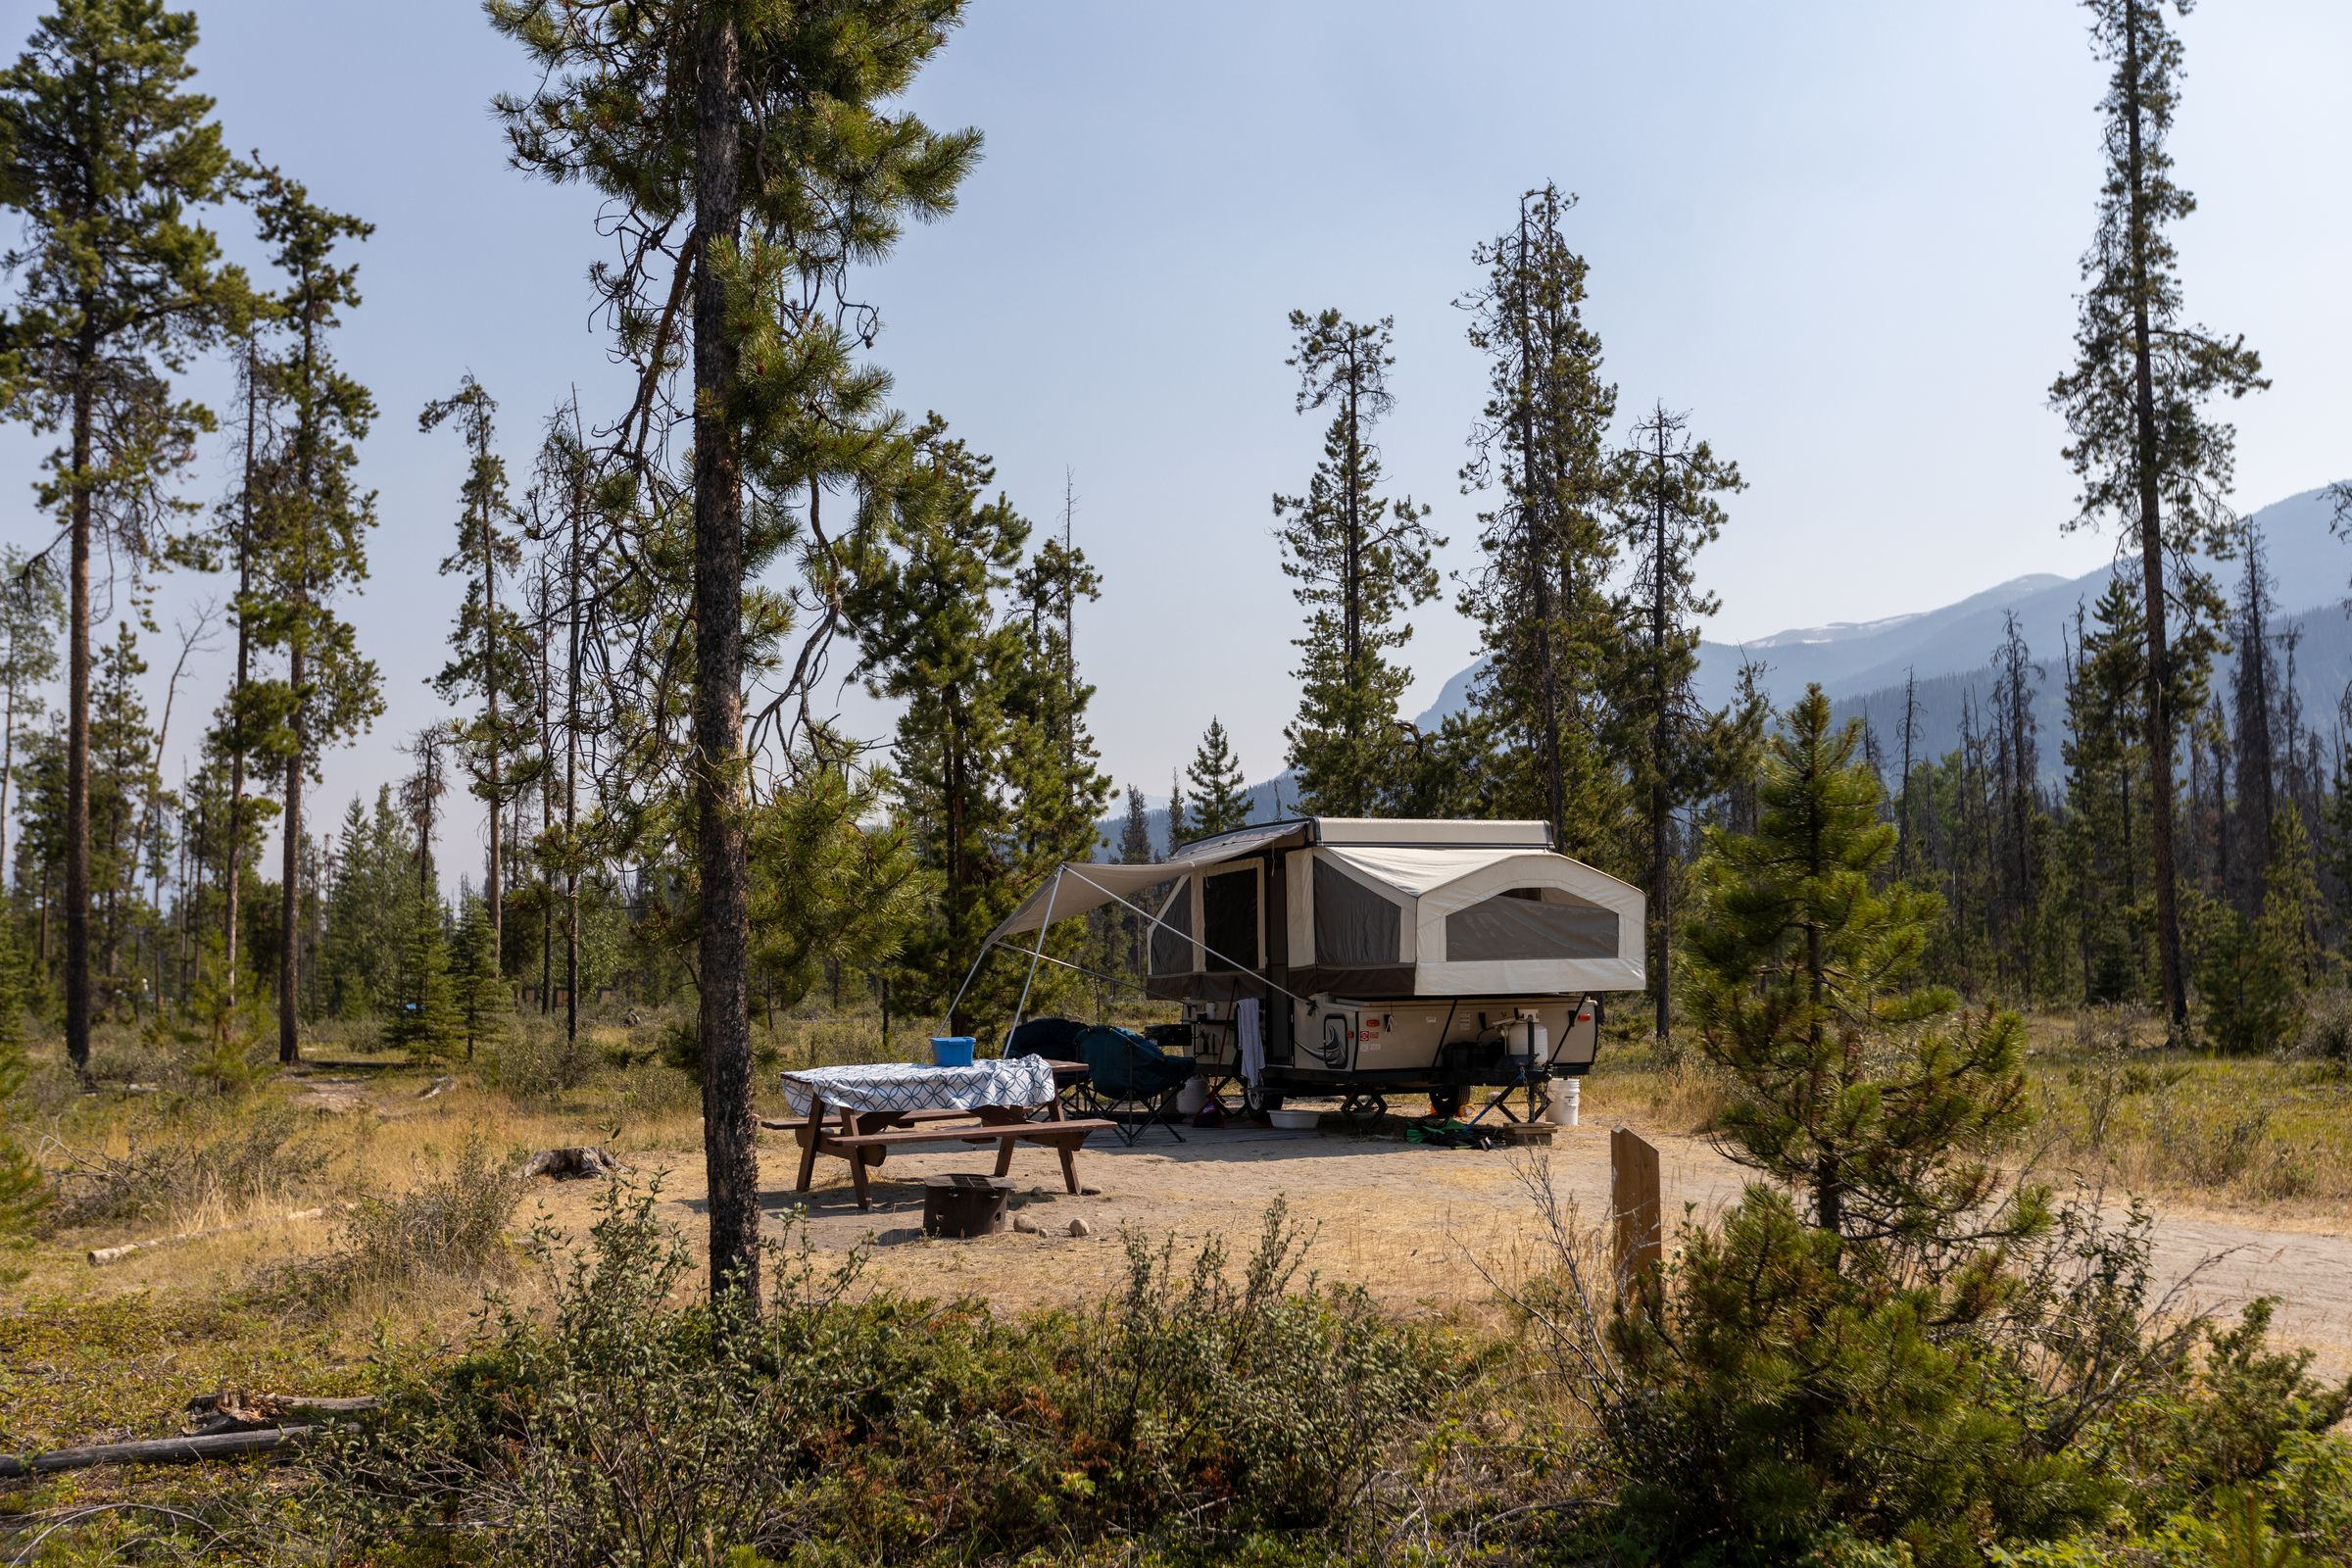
column 1401, row 1219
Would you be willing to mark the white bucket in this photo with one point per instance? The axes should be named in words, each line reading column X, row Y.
column 1191, row 1096
column 1565, row 1094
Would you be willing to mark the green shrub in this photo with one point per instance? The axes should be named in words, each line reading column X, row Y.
column 2326, row 1035
column 533, row 1061
column 1779, row 1396
column 1243, row 1400
column 818, row 1428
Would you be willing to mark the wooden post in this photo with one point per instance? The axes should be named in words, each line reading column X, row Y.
column 1633, row 1207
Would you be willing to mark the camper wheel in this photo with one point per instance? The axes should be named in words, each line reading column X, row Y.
column 1446, row 1103
column 1258, row 1102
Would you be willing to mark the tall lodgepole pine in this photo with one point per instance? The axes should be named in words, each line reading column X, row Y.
column 491, row 658
column 313, row 540
column 751, row 156
column 2146, row 455
column 1361, row 560
column 718, row 762
column 1549, row 624
column 1667, row 496
column 103, row 151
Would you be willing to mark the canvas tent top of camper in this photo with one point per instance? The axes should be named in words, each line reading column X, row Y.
column 1366, row 908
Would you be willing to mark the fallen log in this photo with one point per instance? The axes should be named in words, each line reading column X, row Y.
column 568, row 1164
column 161, row 1450
column 100, row 1256
column 439, row 1086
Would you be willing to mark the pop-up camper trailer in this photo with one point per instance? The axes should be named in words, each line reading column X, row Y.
column 1330, row 955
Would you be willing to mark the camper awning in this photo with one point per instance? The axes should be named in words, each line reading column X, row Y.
column 1079, row 886
column 1368, row 909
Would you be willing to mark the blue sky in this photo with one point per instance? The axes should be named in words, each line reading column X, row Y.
column 1841, row 235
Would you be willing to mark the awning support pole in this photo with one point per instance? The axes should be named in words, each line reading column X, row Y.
column 1157, row 922
column 1035, row 953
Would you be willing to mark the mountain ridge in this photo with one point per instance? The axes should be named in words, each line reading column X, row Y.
column 1860, row 662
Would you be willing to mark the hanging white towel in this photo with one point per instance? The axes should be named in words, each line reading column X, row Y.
column 1250, row 1041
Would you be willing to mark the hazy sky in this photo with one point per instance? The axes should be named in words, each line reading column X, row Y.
column 1841, row 235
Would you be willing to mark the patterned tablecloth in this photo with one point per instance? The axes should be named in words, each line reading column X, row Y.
column 905, row 1086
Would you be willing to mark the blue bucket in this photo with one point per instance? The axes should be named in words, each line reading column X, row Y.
column 951, row 1050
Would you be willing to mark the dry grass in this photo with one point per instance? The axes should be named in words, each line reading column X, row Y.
column 2262, row 1134
column 2267, row 1135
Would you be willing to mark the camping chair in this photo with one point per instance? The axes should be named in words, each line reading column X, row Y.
column 1056, row 1039
column 1130, row 1083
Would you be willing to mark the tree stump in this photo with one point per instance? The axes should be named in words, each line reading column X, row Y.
column 961, row 1207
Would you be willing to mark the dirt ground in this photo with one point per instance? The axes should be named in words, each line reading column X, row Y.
column 1404, row 1220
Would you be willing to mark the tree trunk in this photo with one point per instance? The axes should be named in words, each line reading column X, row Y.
column 234, row 872
column 8, row 768
column 728, row 1129
column 289, row 892
column 1533, row 540
column 490, row 674
column 77, row 749
column 547, row 811
column 571, row 788
column 2151, row 558
column 1662, row 737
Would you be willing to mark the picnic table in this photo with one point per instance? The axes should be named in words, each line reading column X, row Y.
column 878, row 1107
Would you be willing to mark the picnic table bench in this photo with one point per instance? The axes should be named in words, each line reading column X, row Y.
column 881, row 1108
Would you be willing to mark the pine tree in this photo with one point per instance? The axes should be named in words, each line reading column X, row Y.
column 820, row 829
column 490, row 657
column 1220, row 794
column 2105, row 756
column 478, row 989
column 752, row 155
column 1179, row 827
column 426, row 1020
column 121, row 750
column 32, row 603
column 1908, row 735
column 245, row 720
column 103, row 151
column 2144, row 453
column 1135, row 834
column 1667, row 492
column 315, row 531
column 23, row 1188
column 1842, row 1083
column 2294, row 917
column 217, row 1032
column 1133, row 848
column 1361, row 563
column 2019, row 818
column 1549, row 624
column 1059, row 793
column 933, row 640
column 2252, row 698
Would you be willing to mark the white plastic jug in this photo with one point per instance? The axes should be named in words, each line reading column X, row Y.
column 1191, row 1096
column 1565, row 1094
